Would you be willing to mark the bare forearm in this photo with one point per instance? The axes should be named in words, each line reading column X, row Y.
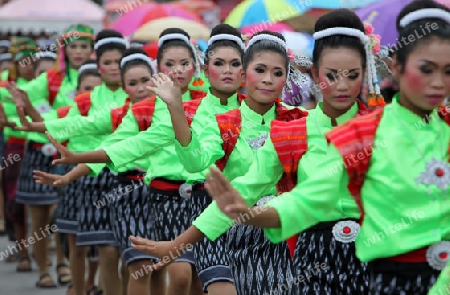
column 261, row 216
column 189, row 238
column 180, row 125
column 34, row 115
column 38, row 127
column 98, row 156
column 78, row 172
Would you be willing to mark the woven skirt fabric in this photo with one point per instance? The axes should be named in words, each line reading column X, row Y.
column 69, row 204
column 395, row 278
column 29, row 192
column 94, row 216
column 257, row 265
column 211, row 258
column 132, row 216
column 171, row 218
column 326, row 266
column 11, row 164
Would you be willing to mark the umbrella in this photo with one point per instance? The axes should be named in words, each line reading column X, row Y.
column 135, row 18
column 382, row 16
column 152, row 30
column 300, row 43
column 256, row 11
column 335, row 4
column 275, row 27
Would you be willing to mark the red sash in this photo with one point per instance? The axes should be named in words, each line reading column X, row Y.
column 54, row 81
column 83, row 102
column 290, row 140
column 117, row 114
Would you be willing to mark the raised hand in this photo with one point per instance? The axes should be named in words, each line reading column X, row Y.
column 166, row 89
column 4, row 119
column 227, row 198
column 166, row 251
column 20, row 97
column 67, row 157
column 50, row 179
column 26, row 125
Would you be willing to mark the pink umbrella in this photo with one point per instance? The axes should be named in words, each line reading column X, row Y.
column 274, row 27
column 444, row 2
column 133, row 19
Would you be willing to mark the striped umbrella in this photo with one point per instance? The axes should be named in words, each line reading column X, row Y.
column 256, row 11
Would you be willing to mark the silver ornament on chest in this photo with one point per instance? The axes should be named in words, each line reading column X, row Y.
column 437, row 173
column 257, row 143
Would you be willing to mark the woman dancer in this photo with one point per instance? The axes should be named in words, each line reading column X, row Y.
column 411, row 238
column 226, row 143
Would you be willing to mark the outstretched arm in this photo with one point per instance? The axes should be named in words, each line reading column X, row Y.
column 169, row 91
column 61, row 180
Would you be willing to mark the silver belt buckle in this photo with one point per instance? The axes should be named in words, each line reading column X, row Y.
column 264, row 200
column 437, row 255
column 346, row 231
column 48, row 149
column 185, row 191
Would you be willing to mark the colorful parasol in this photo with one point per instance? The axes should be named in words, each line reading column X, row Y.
column 151, row 30
column 133, row 19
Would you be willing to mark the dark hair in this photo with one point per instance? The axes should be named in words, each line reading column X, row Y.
column 174, row 43
column 266, row 45
column 134, row 62
column 403, row 50
column 223, row 29
column 41, row 59
column 87, row 72
column 103, row 34
column 339, row 18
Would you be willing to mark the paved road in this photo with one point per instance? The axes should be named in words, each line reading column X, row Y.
column 13, row 283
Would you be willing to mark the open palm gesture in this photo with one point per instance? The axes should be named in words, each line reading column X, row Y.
column 67, row 157
column 50, row 179
column 226, row 196
column 166, row 89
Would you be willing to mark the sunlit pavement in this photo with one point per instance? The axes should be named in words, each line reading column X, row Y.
column 14, row 283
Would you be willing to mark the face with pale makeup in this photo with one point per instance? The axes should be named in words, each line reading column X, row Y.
column 108, row 66
column 136, row 81
column 88, row 83
column 78, row 52
column 224, row 71
column 177, row 62
column 339, row 75
column 265, row 77
column 424, row 80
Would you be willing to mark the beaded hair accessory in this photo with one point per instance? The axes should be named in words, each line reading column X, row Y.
column 138, row 56
column 6, row 56
column 47, row 54
column 375, row 97
column 227, row 37
column 116, row 40
column 178, row 36
column 425, row 14
column 87, row 67
column 294, row 75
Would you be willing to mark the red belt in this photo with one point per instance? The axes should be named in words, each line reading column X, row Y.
column 16, row 140
column 412, row 257
column 436, row 255
column 164, row 185
column 37, row 145
column 135, row 177
column 198, row 187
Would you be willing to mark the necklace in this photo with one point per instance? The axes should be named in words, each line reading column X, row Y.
column 437, row 171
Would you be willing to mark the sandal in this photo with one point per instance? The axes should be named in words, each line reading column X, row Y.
column 13, row 257
column 45, row 282
column 2, row 227
column 69, row 288
column 24, row 265
column 64, row 274
column 92, row 291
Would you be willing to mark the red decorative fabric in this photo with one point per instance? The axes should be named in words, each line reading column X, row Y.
column 143, row 112
column 83, row 102
column 117, row 114
column 54, row 81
